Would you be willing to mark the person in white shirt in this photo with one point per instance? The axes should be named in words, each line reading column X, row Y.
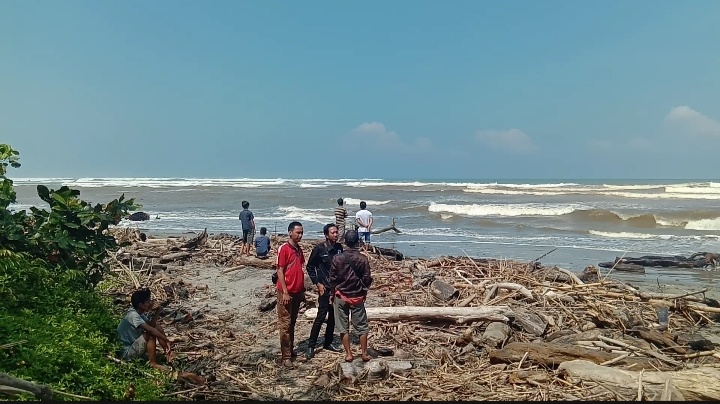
column 364, row 221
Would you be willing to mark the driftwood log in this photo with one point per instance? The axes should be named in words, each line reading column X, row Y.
column 174, row 256
column 623, row 267
column 697, row 260
column 197, row 241
column 386, row 252
column 698, row 384
column 459, row 315
column 39, row 391
column 554, row 354
column 388, row 228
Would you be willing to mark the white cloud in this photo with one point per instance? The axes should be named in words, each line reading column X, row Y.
column 376, row 134
column 692, row 122
column 513, row 140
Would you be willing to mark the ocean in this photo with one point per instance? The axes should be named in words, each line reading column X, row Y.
column 585, row 221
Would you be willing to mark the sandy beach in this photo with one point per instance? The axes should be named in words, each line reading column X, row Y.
column 232, row 342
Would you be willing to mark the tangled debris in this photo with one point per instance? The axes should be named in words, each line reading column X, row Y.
column 454, row 328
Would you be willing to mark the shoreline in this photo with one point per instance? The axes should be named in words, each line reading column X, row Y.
column 670, row 280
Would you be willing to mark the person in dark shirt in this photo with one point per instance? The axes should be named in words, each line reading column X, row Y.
column 318, row 268
column 247, row 219
column 350, row 279
column 262, row 244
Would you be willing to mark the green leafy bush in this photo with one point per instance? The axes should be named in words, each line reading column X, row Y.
column 50, row 264
column 68, row 331
column 71, row 235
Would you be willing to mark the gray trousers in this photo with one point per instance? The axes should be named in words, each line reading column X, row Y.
column 344, row 313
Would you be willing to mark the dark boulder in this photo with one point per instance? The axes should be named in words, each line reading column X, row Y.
column 139, row 217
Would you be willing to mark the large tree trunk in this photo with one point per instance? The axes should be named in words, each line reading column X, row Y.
column 174, row 257
column 254, row 262
column 197, row 241
column 554, row 354
column 699, row 384
column 39, row 391
column 458, row 315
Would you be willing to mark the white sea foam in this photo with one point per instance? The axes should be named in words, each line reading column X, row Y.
column 646, row 236
column 632, row 187
column 493, row 191
column 703, row 224
column 630, row 235
column 693, row 190
column 524, row 209
column 300, row 214
column 309, row 185
column 664, row 195
column 356, row 202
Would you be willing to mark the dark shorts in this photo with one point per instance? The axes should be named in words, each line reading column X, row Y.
column 248, row 236
column 364, row 236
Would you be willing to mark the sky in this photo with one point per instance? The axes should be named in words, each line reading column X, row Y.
column 374, row 89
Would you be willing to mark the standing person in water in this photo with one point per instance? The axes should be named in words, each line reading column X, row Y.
column 291, row 290
column 340, row 218
column 247, row 219
column 318, row 268
column 351, row 280
column 364, row 221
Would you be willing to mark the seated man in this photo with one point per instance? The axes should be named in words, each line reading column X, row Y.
column 262, row 244
column 139, row 334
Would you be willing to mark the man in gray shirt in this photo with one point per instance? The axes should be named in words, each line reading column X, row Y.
column 139, row 334
column 247, row 219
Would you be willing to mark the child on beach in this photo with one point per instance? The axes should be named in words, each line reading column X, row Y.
column 262, row 244
column 139, row 334
column 247, row 219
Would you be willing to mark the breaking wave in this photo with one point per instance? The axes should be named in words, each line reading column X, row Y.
column 689, row 220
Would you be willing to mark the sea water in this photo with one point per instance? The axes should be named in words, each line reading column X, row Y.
column 586, row 222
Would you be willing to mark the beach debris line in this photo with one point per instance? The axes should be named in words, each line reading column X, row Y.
column 513, row 330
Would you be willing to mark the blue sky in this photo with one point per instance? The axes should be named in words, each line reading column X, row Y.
column 392, row 89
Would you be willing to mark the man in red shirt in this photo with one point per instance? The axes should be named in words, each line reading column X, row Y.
column 291, row 290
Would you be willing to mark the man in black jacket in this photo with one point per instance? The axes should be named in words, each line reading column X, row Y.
column 318, row 268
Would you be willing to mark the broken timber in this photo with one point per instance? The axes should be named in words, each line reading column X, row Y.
column 699, row 384
column 553, row 354
column 459, row 315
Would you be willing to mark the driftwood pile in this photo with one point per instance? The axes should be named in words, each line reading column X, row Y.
column 454, row 328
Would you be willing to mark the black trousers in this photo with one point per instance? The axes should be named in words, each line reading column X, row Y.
column 324, row 307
